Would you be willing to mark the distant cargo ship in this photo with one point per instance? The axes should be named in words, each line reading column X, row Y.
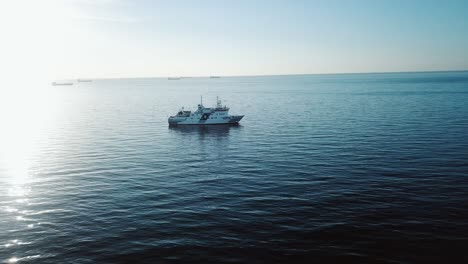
column 84, row 80
column 205, row 116
column 62, row 83
column 215, row 77
column 174, row 78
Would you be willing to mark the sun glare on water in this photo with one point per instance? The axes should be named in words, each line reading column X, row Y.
column 27, row 116
column 30, row 53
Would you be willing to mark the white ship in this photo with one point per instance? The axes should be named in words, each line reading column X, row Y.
column 205, row 116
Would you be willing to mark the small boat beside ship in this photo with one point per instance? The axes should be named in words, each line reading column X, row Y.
column 205, row 116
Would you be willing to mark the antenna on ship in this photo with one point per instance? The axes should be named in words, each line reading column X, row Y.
column 201, row 100
column 218, row 102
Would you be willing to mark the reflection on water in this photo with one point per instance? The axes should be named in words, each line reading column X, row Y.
column 207, row 130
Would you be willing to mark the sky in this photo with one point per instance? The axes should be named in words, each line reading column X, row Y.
column 61, row 39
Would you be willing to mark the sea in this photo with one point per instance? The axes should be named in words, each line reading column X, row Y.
column 322, row 169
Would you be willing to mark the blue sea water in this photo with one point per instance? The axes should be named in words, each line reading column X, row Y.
column 323, row 168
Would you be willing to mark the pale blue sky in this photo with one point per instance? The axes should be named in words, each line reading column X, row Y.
column 117, row 38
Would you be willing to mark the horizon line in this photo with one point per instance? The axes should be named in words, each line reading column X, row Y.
column 263, row 75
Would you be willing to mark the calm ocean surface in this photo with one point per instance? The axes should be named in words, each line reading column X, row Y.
column 323, row 168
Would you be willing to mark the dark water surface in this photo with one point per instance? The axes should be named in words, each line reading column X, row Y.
column 323, row 168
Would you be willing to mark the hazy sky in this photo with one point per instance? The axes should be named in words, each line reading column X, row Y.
column 118, row 38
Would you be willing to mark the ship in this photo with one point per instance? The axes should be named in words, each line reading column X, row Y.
column 218, row 115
